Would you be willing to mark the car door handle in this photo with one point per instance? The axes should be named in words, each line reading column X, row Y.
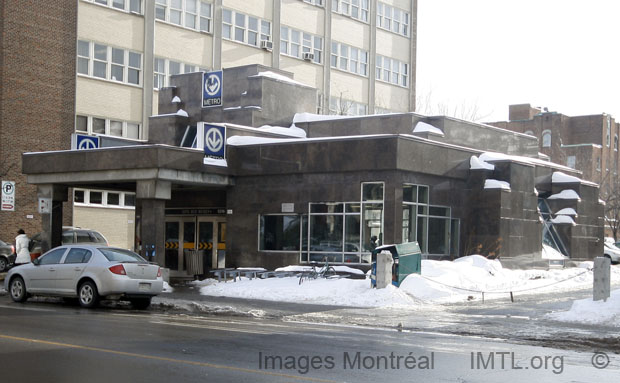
column 78, row 269
column 52, row 269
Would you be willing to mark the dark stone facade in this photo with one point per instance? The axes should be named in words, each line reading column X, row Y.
column 338, row 156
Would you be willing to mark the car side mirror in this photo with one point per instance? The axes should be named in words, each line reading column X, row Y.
column 36, row 262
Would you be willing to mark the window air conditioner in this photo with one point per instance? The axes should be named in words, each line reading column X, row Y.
column 308, row 56
column 266, row 44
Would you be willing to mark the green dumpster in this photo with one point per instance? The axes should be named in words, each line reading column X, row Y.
column 407, row 260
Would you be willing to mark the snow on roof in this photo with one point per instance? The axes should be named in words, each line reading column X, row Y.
column 566, row 194
column 563, row 220
column 423, row 127
column 495, row 156
column 176, row 100
column 559, row 177
column 567, row 211
column 535, row 192
column 495, row 184
column 475, row 163
column 179, row 112
column 279, row 77
column 291, row 131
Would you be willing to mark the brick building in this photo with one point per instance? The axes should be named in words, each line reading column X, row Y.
column 37, row 95
column 585, row 143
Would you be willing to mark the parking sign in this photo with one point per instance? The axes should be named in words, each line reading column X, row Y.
column 8, row 195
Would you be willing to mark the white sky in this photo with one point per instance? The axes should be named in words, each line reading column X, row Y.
column 560, row 54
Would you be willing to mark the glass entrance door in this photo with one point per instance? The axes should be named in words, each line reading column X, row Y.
column 205, row 234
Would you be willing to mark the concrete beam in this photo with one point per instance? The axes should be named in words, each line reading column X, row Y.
column 131, row 175
column 153, row 189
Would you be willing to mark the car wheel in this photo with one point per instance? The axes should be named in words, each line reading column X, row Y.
column 141, row 303
column 88, row 295
column 3, row 264
column 17, row 289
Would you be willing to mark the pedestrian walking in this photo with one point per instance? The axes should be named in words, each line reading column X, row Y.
column 21, row 248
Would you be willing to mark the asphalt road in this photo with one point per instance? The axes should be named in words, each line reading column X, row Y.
column 55, row 342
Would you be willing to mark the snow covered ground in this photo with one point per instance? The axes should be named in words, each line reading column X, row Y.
column 587, row 311
column 441, row 282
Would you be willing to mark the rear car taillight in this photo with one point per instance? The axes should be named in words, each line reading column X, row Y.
column 118, row 270
column 159, row 273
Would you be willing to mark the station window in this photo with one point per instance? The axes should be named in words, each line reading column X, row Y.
column 97, row 125
column 279, row 233
column 104, row 198
column 109, row 63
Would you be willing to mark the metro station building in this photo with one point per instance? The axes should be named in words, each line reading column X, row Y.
column 260, row 181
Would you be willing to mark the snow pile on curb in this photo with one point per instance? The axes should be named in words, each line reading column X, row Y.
column 167, row 288
column 588, row 311
column 467, row 277
column 337, row 292
column 441, row 282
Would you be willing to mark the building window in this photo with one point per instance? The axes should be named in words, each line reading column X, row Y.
column 356, row 9
column 295, row 43
column 314, row 2
column 164, row 68
column 193, row 14
column 134, row 6
column 380, row 110
column 103, row 198
column 608, row 138
column 393, row 19
column 105, row 62
column 546, row 139
column 117, row 128
column 571, row 161
column 349, row 59
column 280, row 233
column 392, row 71
column 340, row 106
column 245, row 29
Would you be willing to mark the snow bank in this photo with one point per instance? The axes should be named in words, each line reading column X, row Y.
column 441, row 282
column 549, row 252
column 338, row 292
column 588, row 311
column 167, row 288
column 467, row 277
column 339, row 269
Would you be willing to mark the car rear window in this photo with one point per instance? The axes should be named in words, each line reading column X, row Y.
column 119, row 255
column 97, row 238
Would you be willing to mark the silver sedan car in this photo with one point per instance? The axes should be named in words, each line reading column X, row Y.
column 88, row 273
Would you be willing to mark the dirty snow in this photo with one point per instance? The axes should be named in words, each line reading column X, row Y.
column 589, row 311
column 441, row 282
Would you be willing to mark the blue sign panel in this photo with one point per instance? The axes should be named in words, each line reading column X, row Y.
column 212, row 83
column 84, row 141
column 215, row 141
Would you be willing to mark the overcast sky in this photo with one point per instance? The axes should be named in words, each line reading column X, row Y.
column 560, row 54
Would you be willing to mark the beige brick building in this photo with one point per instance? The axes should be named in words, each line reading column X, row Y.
column 115, row 55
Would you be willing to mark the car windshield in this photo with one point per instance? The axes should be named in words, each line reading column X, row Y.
column 120, row 255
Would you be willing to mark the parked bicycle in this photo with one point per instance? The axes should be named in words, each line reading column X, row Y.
column 326, row 271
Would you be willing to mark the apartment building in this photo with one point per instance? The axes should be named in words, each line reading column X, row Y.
column 359, row 54
column 585, row 143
